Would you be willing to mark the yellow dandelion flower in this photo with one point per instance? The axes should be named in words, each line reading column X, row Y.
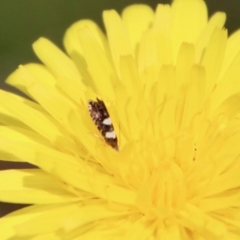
column 135, row 135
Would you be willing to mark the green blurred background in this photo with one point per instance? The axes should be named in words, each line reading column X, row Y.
column 24, row 21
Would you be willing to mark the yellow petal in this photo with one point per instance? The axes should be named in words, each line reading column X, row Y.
column 148, row 59
column 91, row 213
column 54, row 213
column 77, row 51
column 137, row 19
column 49, row 236
column 32, row 186
column 201, row 223
column 99, row 66
column 53, row 102
column 129, row 74
column 221, row 201
column 137, row 231
column 189, row 18
column 31, row 73
column 15, row 146
column 162, row 30
column 65, row 166
column 117, row 35
column 59, row 65
column 71, row 38
column 213, row 57
column 226, row 181
column 232, row 50
column 39, row 120
column 216, row 21
column 184, row 63
column 169, row 233
column 13, row 219
column 229, row 83
column 194, row 96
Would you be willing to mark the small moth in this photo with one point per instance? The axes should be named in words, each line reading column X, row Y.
column 102, row 120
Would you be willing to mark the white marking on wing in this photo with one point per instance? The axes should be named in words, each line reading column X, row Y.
column 107, row 121
column 110, row 135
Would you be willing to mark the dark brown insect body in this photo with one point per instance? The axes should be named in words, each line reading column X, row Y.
column 102, row 120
